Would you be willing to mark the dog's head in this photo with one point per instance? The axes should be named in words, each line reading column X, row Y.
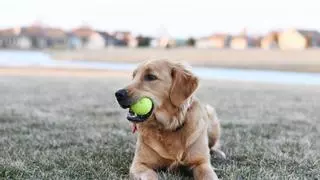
column 169, row 84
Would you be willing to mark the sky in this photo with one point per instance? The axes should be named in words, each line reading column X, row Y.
column 178, row 18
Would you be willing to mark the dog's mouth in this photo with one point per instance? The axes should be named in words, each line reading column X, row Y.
column 133, row 117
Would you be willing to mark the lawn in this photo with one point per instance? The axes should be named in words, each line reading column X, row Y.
column 72, row 128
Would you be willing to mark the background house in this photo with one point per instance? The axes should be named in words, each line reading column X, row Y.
column 204, row 42
column 14, row 39
column 37, row 36
column 120, row 39
column 33, row 37
column 125, row 38
column 298, row 39
column 108, row 38
column 82, row 33
column 95, row 41
column 56, row 38
column 74, row 42
column 269, row 41
column 243, row 42
column 89, row 38
column 219, row 41
column 5, row 37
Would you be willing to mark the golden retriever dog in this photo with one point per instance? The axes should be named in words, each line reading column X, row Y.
column 180, row 130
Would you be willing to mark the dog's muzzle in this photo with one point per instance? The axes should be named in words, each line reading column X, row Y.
column 125, row 101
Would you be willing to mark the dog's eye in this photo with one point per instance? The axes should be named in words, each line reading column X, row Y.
column 150, row 77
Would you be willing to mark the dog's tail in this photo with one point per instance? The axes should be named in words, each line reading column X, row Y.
column 214, row 131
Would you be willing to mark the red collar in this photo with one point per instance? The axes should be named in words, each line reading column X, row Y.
column 134, row 128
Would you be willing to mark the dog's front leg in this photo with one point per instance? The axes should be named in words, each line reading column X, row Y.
column 204, row 172
column 139, row 171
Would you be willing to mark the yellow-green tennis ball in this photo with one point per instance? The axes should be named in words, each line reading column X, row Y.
column 142, row 107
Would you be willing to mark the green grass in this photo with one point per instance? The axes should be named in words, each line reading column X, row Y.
column 72, row 128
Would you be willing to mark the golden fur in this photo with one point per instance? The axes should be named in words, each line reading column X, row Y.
column 181, row 130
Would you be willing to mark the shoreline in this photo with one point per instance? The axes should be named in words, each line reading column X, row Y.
column 60, row 72
column 125, row 75
column 256, row 59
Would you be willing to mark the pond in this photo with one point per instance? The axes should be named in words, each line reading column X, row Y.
column 39, row 59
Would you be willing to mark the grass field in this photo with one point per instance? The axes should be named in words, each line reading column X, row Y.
column 72, row 128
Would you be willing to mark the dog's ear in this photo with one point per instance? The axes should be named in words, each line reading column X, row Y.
column 184, row 83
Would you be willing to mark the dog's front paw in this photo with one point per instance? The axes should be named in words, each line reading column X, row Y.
column 146, row 175
column 204, row 172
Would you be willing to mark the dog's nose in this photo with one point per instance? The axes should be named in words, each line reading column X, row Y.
column 121, row 94
column 123, row 98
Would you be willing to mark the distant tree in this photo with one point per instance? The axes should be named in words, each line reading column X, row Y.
column 143, row 41
column 191, row 41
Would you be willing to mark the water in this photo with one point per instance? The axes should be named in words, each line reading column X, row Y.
column 38, row 59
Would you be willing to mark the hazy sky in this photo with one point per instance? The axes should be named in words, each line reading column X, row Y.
column 181, row 18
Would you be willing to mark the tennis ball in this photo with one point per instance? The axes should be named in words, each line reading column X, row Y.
column 142, row 107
